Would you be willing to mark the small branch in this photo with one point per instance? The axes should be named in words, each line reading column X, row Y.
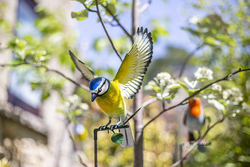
column 74, row 145
column 110, row 40
column 90, row 10
column 131, row 116
column 47, row 69
column 146, row 103
column 12, row 65
column 119, row 24
column 181, row 152
column 188, row 57
column 145, row 6
column 183, row 102
column 196, row 143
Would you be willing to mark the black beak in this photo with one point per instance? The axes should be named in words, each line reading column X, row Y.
column 93, row 97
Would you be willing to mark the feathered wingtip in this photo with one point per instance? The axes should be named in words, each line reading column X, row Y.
column 144, row 35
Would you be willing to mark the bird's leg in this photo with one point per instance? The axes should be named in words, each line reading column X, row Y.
column 115, row 126
column 105, row 126
column 203, row 141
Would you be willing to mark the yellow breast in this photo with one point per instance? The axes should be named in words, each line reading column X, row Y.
column 112, row 102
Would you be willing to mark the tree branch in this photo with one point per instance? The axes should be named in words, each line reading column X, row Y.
column 74, row 145
column 188, row 57
column 196, row 143
column 195, row 93
column 119, row 24
column 146, row 103
column 110, row 40
column 90, row 10
column 145, row 6
column 47, row 69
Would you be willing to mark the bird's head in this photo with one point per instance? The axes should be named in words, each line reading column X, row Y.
column 98, row 87
column 195, row 107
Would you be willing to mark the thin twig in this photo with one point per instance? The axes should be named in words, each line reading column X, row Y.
column 181, row 152
column 196, row 143
column 195, row 93
column 110, row 40
column 146, row 103
column 188, row 57
column 74, row 145
column 13, row 65
column 131, row 116
column 47, row 69
column 90, row 10
column 119, row 24
column 145, row 6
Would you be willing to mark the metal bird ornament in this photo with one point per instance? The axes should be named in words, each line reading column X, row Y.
column 194, row 118
column 109, row 95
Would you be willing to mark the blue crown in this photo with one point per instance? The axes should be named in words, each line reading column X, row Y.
column 94, row 83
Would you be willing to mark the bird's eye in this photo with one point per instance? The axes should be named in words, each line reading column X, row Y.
column 103, row 88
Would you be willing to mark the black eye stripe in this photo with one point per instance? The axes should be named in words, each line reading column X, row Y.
column 100, row 88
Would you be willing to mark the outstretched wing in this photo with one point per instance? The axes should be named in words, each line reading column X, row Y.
column 86, row 71
column 134, row 66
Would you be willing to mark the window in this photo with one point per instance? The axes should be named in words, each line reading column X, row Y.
column 20, row 94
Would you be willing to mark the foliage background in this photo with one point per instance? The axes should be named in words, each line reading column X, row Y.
column 221, row 28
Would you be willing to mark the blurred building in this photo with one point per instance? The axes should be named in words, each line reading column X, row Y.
column 32, row 134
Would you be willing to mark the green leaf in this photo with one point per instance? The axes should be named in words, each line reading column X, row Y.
column 226, row 39
column 35, row 85
column 80, row 16
column 156, row 88
column 111, row 8
column 191, row 91
column 158, row 31
column 76, row 112
column 99, row 2
column 208, row 120
column 21, row 43
column 117, row 138
column 100, row 44
column 173, row 86
column 61, row 111
column 45, row 94
column 184, row 86
column 211, row 41
column 81, row 1
column 194, row 32
column 202, row 149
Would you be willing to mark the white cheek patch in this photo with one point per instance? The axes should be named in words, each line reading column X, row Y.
column 104, row 88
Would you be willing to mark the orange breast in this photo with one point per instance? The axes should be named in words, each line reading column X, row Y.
column 195, row 111
column 195, row 107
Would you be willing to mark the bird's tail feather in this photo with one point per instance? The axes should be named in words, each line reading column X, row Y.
column 128, row 140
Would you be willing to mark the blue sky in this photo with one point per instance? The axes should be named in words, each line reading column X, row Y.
column 170, row 14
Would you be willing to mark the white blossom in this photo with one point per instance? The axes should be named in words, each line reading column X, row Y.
column 73, row 99
column 191, row 84
column 246, row 107
column 84, row 106
column 216, row 87
column 148, row 86
column 233, row 94
column 204, row 73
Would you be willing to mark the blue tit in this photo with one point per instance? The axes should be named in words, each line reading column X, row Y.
column 109, row 95
column 195, row 117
